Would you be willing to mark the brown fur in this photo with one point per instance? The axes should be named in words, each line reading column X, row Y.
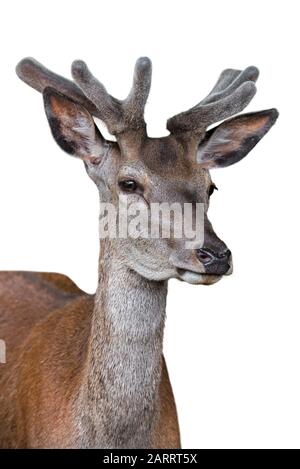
column 46, row 324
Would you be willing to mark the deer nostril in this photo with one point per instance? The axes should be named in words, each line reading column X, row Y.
column 225, row 254
column 204, row 256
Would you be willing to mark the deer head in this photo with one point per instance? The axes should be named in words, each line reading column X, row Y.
column 173, row 169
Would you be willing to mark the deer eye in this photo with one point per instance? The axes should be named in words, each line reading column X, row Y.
column 211, row 189
column 128, row 185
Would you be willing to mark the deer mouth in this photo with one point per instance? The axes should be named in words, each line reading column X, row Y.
column 197, row 278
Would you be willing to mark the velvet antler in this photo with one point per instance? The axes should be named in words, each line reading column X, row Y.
column 119, row 116
column 230, row 95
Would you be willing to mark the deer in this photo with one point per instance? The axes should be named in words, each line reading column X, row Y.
column 88, row 371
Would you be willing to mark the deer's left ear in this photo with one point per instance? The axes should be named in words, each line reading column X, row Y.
column 232, row 140
column 73, row 127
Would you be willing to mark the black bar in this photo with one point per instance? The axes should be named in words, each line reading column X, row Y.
column 138, row 458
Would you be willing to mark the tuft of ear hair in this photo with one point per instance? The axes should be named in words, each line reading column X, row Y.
column 73, row 127
column 232, row 140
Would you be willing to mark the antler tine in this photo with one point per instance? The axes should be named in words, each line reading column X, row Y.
column 108, row 107
column 231, row 94
column 229, row 81
column 137, row 98
column 226, row 77
column 119, row 116
column 34, row 74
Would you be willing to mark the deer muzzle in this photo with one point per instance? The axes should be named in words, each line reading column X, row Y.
column 215, row 262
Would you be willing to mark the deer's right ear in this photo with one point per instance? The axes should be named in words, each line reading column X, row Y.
column 73, row 127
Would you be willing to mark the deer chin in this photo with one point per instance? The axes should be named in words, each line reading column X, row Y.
column 196, row 278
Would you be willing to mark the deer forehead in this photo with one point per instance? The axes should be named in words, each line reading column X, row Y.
column 165, row 157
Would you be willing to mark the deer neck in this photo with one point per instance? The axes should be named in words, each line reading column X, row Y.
column 125, row 355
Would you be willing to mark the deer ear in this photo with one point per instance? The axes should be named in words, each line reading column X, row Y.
column 73, row 127
column 232, row 140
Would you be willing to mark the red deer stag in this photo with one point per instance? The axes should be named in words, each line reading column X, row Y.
column 87, row 371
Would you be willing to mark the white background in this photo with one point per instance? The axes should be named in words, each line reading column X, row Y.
column 233, row 349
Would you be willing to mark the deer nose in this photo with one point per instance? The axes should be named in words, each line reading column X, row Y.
column 215, row 262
